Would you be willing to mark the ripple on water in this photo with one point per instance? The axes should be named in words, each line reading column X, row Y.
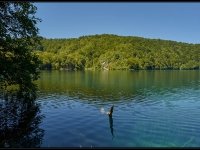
column 166, row 117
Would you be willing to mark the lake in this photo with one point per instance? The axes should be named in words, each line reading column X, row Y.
column 151, row 109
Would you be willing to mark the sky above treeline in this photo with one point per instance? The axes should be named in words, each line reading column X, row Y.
column 169, row 21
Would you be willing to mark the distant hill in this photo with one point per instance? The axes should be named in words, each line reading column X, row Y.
column 113, row 52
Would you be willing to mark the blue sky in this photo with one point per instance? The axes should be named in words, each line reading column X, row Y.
column 170, row 21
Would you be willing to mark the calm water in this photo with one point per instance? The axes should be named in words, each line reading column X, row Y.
column 151, row 109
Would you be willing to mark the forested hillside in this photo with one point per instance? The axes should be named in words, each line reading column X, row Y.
column 112, row 52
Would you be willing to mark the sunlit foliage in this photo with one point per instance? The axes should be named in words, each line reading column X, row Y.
column 114, row 52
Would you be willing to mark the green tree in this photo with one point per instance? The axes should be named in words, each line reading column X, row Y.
column 18, row 38
column 114, row 52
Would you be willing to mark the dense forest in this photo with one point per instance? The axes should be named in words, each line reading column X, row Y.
column 112, row 52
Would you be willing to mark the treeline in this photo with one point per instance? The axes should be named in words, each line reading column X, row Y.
column 112, row 52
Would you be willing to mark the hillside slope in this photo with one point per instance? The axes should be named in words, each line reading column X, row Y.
column 112, row 52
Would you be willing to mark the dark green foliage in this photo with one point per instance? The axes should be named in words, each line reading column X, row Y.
column 118, row 52
column 18, row 39
column 20, row 119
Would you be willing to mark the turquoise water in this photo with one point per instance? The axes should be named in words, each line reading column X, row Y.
column 151, row 109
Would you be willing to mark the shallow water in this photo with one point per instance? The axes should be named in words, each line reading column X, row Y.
column 151, row 108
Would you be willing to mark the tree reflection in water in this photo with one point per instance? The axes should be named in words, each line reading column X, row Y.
column 19, row 120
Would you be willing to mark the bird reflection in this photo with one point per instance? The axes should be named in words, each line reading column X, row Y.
column 111, row 120
column 19, row 120
column 111, row 126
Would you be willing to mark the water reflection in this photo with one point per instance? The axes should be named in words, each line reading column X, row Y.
column 19, row 120
column 114, row 85
column 166, row 104
column 111, row 120
column 111, row 125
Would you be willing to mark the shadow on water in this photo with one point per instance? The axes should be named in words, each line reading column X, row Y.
column 19, row 119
